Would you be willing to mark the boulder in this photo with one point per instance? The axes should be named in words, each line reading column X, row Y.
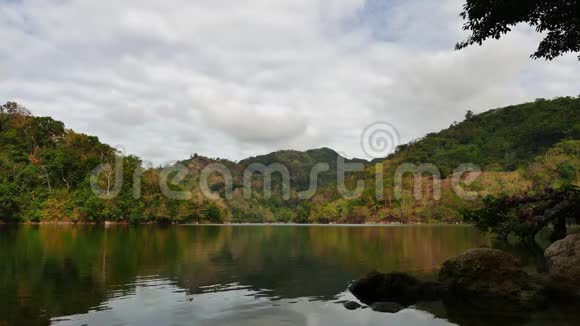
column 563, row 260
column 395, row 287
column 490, row 277
column 389, row 307
column 351, row 305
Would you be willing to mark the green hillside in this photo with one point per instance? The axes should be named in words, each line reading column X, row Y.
column 299, row 164
column 499, row 140
column 45, row 173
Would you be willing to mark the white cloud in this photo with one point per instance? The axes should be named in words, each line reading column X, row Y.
column 224, row 79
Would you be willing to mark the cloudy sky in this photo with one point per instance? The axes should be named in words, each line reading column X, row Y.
column 225, row 78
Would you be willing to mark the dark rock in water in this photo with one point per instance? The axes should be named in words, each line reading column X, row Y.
column 486, row 276
column 351, row 305
column 396, row 287
column 563, row 259
column 390, row 307
column 479, row 282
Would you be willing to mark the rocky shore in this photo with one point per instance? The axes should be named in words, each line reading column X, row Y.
column 482, row 281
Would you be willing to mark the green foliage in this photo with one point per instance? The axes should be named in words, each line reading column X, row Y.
column 494, row 217
column 556, row 19
column 285, row 215
column 469, row 115
column 567, row 171
column 302, row 213
column 299, row 165
column 240, row 215
column 213, row 213
column 556, row 167
column 45, row 168
column 526, row 215
column 502, row 139
column 44, row 176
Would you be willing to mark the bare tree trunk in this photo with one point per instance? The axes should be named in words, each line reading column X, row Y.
column 109, row 177
column 65, row 181
column 47, row 178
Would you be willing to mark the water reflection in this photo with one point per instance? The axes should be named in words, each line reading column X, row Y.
column 151, row 275
column 231, row 304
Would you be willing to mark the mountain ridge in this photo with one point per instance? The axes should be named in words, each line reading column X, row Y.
column 45, row 173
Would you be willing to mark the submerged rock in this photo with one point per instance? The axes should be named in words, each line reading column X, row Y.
column 389, row 307
column 351, row 305
column 563, row 260
column 490, row 278
column 478, row 281
column 395, row 287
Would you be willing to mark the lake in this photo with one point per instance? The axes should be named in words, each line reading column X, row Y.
column 228, row 275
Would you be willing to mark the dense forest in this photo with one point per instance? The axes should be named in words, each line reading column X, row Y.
column 500, row 140
column 45, row 173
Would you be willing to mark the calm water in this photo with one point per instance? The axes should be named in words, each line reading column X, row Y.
column 225, row 275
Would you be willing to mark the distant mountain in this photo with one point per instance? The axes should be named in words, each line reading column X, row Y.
column 299, row 164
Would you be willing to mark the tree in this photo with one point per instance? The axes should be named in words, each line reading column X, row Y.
column 8, row 201
column 213, row 213
column 559, row 19
column 526, row 215
column 14, row 108
column 469, row 115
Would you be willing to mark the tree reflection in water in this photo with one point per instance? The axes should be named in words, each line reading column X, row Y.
column 51, row 271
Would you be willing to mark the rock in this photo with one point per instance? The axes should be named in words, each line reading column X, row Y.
column 563, row 260
column 490, row 277
column 396, row 287
column 390, row 307
column 351, row 305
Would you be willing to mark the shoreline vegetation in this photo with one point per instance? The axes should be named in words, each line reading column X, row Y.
column 126, row 223
column 46, row 173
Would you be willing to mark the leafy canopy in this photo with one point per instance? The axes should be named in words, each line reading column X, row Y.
column 558, row 19
column 526, row 215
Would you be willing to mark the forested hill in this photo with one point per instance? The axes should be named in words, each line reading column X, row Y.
column 45, row 167
column 45, row 172
column 300, row 163
column 498, row 140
